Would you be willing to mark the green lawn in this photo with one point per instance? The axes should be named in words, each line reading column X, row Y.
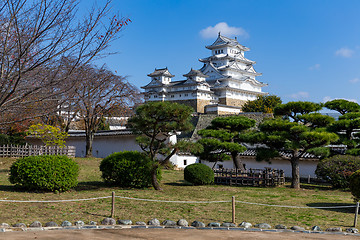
column 90, row 185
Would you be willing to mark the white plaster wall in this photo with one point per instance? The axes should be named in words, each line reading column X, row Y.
column 104, row 146
column 178, row 160
column 306, row 167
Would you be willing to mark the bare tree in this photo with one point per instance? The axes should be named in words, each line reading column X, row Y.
column 36, row 39
column 97, row 94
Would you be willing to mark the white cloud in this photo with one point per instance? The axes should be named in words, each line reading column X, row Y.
column 344, row 52
column 315, row 67
column 354, row 80
column 299, row 95
column 225, row 29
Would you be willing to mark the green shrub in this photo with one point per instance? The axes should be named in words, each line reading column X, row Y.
column 337, row 169
column 199, row 174
column 355, row 185
column 15, row 139
column 128, row 169
column 45, row 173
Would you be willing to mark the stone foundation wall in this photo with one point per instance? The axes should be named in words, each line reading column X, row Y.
column 232, row 102
column 198, row 105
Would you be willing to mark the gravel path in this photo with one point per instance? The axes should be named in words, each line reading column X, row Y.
column 165, row 234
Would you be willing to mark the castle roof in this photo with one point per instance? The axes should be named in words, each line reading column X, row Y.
column 161, row 72
column 195, row 73
column 225, row 41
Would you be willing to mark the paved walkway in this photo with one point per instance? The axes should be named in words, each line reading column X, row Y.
column 166, row 234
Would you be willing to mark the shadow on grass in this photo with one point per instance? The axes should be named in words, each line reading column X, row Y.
column 179, row 183
column 91, row 185
column 4, row 170
column 339, row 205
column 10, row 188
column 82, row 186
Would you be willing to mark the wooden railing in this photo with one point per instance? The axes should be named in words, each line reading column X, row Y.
column 18, row 151
column 252, row 177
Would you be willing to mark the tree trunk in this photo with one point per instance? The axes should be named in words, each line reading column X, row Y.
column 89, row 141
column 154, row 179
column 295, row 172
column 237, row 161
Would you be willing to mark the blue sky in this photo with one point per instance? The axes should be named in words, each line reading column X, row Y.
column 307, row 50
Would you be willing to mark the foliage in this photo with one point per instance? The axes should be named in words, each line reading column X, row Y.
column 337, row 169
column 45, row 173
column 50, row 135
column 354, row 184
column 103, row 125
column 16, row 139
column 199, row 174
column 127, row 169
column 155, row 122
column 97, row 93
column 342, row 106
column 265, row 104
column 348, row 125
column 294, row 136
column 293, row 110
column 223, row 137
column 37, row 39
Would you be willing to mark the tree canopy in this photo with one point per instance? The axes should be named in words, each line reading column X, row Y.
column 222, row 137
column 265, row 104
column 348, row 125
column 294, row 137
column 155, row 123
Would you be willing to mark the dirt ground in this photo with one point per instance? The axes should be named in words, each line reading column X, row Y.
column 165, row 234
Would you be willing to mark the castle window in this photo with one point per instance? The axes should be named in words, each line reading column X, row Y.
column 180, row 95
column 172, row 96
column 186, row 94
column 185, row 162
column 155, row 96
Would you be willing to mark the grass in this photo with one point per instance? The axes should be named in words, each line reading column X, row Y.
column 175, row 188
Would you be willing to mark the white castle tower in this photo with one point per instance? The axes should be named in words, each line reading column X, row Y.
column 221, row 86
column 231, row 75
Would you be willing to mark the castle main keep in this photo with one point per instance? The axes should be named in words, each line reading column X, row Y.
column 225, row 82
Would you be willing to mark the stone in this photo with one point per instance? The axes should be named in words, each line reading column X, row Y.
column 245, row 225
column 22, row 225
column 316, row 228
column 124, row 222
column 280, row 226
column 79, row 223
column 335, row 229
column 297, row 228
column 140, row 223
column 169, row 223
column 182, row 223
column 51, row 224
column 226, row 224
column 352, row 230
column 262, row 226
column 197, row 224
column 36, row 224
column 92, row 223
column 66, row 224
column 214, row 224
column 4, row 225
column 108, row 221
column 154, row 222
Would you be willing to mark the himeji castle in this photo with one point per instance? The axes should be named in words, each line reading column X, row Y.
column 225, row 82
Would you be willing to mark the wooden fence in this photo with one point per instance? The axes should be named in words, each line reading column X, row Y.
column 18, row 151
column 253, row 177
